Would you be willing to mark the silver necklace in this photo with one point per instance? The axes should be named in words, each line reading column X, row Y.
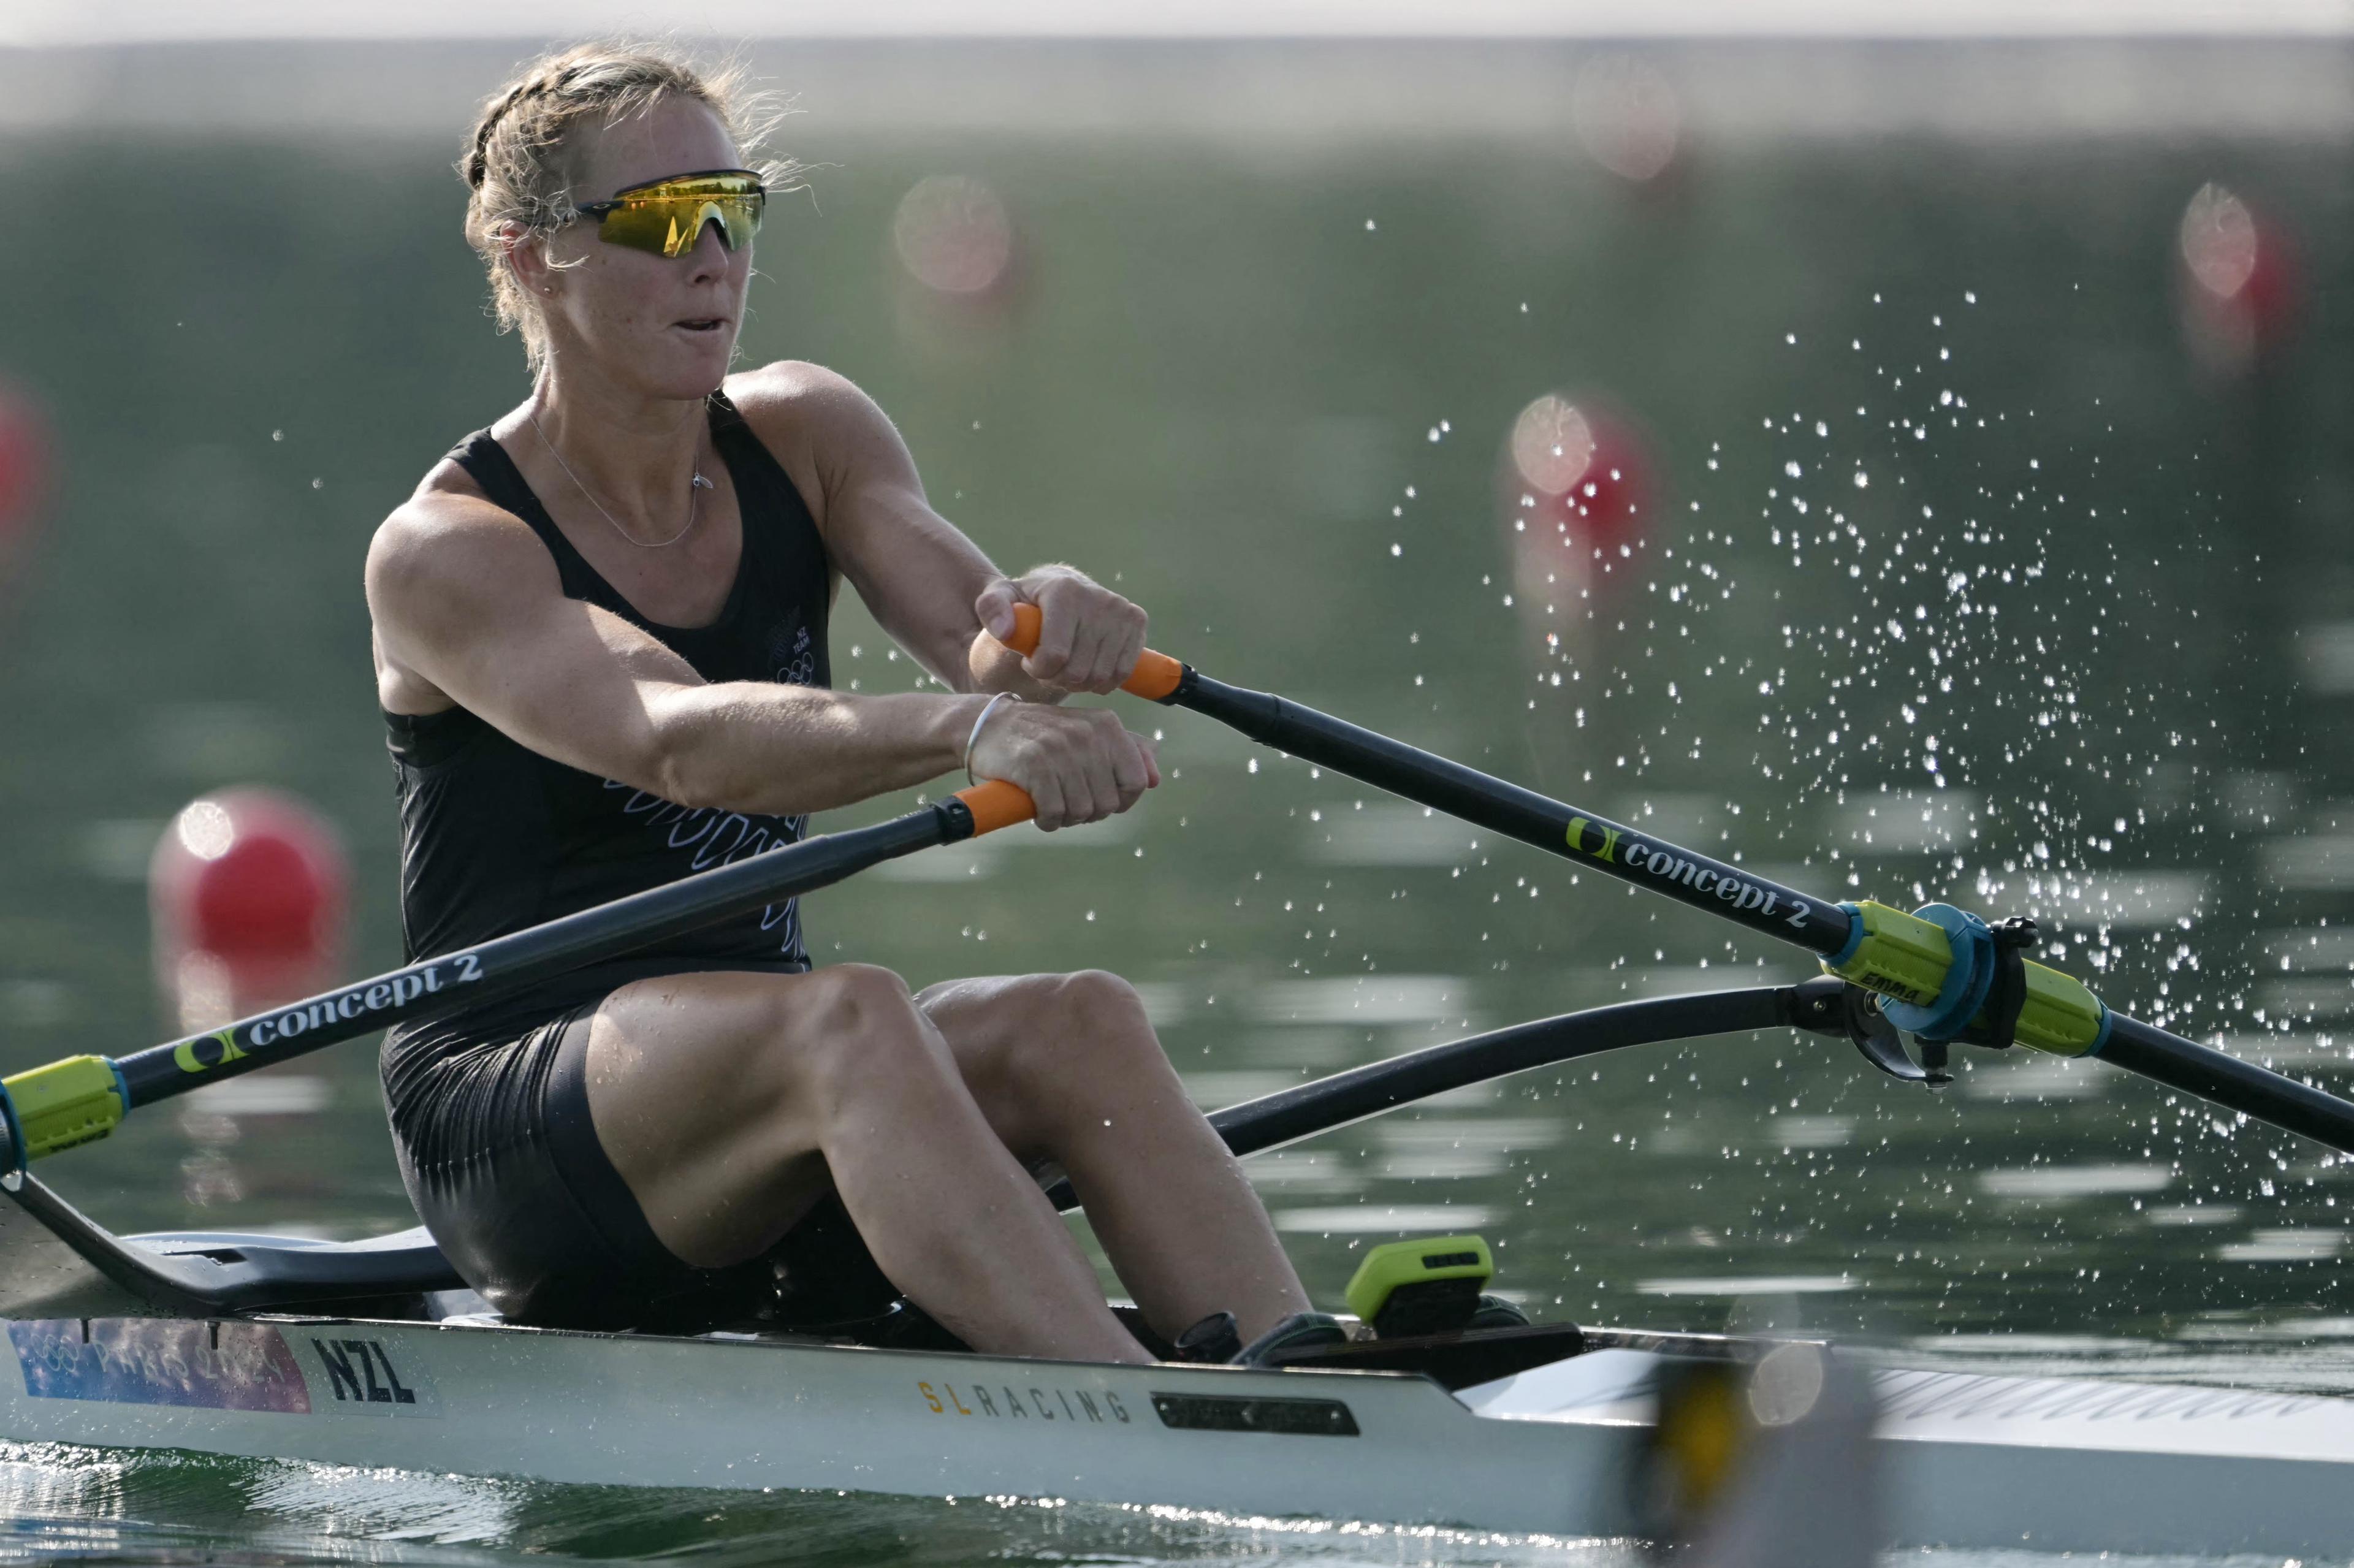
column 694, row 493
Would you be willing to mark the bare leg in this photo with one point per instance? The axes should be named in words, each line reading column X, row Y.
column 1067, row 1067
column 728, row 1101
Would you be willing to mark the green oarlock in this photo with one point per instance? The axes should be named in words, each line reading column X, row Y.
column 1906, row 957
column 1902, row 955
column 2060, row 1015
column 77, row 1100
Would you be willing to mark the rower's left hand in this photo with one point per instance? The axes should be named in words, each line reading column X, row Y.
column 1089, row 638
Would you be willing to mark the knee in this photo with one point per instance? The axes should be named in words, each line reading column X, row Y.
column 1082, row 1028
column 845, row 1023
column 1101, row 1006
column 854, row 1001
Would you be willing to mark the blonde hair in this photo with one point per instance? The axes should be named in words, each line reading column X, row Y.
column 522, row 158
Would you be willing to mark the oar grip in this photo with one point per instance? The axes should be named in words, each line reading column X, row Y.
column 1155, row 675
column 996, row 804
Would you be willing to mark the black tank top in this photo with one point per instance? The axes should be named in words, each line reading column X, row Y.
column 494, row 837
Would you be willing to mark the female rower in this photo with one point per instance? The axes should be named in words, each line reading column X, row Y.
column 600, row 650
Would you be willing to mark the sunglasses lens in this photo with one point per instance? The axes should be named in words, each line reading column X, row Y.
column 666, row 219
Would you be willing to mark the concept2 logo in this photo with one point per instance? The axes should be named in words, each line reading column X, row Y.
column 206, row 1052
column 1616, row 846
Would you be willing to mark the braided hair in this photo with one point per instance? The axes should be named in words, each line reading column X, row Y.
column 522, row 159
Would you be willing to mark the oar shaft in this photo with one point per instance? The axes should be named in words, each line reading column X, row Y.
column 81, row 1098
column 1899, row 955
column 1581, row 837
column 511, row 964
column 2227, row 1081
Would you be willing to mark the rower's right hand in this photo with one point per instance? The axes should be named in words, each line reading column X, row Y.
column 1079, row 765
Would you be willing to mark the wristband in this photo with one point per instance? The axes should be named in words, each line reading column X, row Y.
column 969, row 741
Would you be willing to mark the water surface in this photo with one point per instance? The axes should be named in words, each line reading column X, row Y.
column 1961, row 579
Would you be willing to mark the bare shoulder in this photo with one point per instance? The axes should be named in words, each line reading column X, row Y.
column 793, row 404
column 786, row 387
column 449, row 550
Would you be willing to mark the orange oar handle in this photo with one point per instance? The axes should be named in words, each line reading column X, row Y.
column 1155, row 676
column 996, row 804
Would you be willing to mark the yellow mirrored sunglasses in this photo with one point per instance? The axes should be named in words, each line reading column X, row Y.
column 666, row 217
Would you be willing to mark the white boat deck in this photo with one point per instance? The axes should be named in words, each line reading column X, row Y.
column 1612, row 1387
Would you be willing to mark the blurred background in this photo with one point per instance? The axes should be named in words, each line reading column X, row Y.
column 1908, row 450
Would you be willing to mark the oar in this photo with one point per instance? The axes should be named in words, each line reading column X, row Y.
column 1936, row 969
column 83, row 1098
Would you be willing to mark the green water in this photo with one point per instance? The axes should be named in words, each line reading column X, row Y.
column 1267, row 397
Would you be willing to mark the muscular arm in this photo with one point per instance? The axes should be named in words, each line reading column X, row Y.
column 468, row 609
column 929, row 585
column 467, row 603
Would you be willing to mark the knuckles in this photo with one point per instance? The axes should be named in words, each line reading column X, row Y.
column 1071, row 604
column 1081, row 765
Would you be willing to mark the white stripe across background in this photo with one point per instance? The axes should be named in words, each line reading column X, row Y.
column 127, row 21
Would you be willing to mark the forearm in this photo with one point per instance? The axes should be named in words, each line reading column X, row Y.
column 991, row 667
column 747, row 745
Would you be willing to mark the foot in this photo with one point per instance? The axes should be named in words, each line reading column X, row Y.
column 1495, row 1312
column 1300, row 1331
column 1214, row 1340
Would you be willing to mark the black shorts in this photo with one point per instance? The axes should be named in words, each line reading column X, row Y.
column 500, row 1157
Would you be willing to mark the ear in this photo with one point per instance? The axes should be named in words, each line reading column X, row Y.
column 526, row 254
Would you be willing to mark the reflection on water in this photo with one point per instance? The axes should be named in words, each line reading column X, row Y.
column 65, row 1505
column 1959, row 579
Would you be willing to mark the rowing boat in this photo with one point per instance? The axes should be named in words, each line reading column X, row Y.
column 373, row 1352
column 234, row 1344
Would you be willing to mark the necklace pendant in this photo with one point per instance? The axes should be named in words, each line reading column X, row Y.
column 694, row 501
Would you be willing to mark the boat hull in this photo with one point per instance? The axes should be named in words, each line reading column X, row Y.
column 1959, row 1460
column 767, row 1413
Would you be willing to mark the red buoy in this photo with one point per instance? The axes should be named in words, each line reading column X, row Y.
column 250, row 891
column 2240, row 282
column 1627, row 115
column 25, row 473
column 1576, row 491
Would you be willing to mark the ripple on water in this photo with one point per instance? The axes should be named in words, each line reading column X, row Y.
column 2305, row 1245
column 2051, row 1181
column 1364, row 1000
column 275, row 1512
column 2022, row 1075
column 1377, row 1219
column 1752, row 1284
